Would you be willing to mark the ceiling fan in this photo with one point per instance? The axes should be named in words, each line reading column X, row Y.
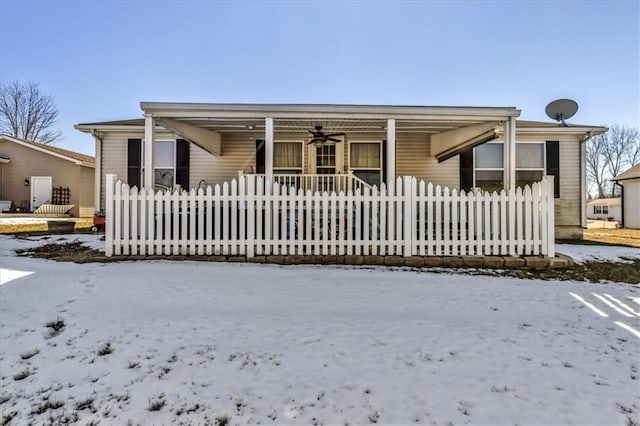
column 319, row 137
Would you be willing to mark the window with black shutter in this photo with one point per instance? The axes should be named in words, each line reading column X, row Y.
column 553, row 165
column 260, row 156
column 182, row 163
column 134, row 162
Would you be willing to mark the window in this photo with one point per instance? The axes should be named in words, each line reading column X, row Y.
column 365, row 159
column 601, row 209
column 489, row 166
column 529, row 163
column 489, row 161
column 287, row 158
column 326, row 160
column 165, row 164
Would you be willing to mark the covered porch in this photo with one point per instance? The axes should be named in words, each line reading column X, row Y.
column 339, row 180
column 324, row 147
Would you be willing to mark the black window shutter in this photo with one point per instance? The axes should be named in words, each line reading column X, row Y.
column 384, row 162
column 466, row 170
column 182, row 163
column 260, row 158
column 553, row 165
column 134, row 162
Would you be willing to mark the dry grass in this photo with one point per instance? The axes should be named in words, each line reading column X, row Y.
column 81, row 224
column 624, row 237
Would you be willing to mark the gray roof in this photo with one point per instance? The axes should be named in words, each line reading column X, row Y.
column 632, row 173
column 54, row 149
column 604, row 202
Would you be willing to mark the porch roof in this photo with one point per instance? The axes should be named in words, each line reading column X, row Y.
column 300, row 125
column 239, row 110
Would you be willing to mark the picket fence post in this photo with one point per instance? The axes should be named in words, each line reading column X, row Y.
column 109, row 216
column 551, row 238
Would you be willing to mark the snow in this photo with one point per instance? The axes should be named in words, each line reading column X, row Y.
column 585, row 253
column 310, row 344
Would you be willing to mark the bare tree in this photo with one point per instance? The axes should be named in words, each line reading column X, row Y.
column 610, row 154
column 631, row 140
column 28, row 114
column 596, row 165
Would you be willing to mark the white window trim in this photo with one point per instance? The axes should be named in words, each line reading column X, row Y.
column 311, row 151
column 301, row 168
column 517, row 169
column 155, row 167
column 379, row 168
column 381, row 156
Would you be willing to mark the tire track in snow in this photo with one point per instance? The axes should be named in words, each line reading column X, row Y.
column 622, row 304
column 619, row 307
column 628, row 328
column 612, row 306
column 589, row 305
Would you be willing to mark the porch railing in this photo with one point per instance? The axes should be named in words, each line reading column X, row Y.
column 253, row 216
column 329, row 183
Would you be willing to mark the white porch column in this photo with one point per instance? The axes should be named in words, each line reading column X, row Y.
column 391, row 151
column 268, row 148
column 510, row 154
column 583, row 182
column 148, row 155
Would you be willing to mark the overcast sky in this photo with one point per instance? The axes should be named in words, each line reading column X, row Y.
column 100, row 59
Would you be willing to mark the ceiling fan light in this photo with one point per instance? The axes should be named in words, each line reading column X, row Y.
column 318, row 143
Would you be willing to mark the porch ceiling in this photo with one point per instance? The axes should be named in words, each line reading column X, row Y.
column 329, row 125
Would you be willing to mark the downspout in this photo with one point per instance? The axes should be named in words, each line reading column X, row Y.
column 97, row 179
column 583, row 179
column 621, row 203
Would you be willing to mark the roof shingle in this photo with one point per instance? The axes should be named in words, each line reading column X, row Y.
column 632, row 173
column 67, row 153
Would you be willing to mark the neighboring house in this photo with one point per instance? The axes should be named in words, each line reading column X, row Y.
column 30, row 171
column 630, row 182
column 604, row 209
column 458, row 147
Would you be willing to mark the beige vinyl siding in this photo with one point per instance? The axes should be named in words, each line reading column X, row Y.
column 413, row 158
column 27, row 162
column 114, row 155
column 87, row 178
column 567, row 207
column 238, row 153
column 114, row 158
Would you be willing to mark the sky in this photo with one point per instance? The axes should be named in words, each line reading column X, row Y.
column 99, row 60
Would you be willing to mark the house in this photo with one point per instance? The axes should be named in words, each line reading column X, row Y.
column 604, row 209
column 330, row 179
column 33, row 174
column 630, row 182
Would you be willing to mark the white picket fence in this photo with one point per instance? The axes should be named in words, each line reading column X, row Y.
column 253, row 216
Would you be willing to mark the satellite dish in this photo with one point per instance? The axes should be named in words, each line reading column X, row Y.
column 561, row 109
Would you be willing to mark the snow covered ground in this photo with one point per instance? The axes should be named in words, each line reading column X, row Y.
column 581, row 253
column 162, row 342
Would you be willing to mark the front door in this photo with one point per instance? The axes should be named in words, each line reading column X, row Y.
column 40, row 190
column 326, row 162
column 326, row 165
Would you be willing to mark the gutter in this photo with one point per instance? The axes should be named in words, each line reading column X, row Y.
column 97, row 177
column 583, row 178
